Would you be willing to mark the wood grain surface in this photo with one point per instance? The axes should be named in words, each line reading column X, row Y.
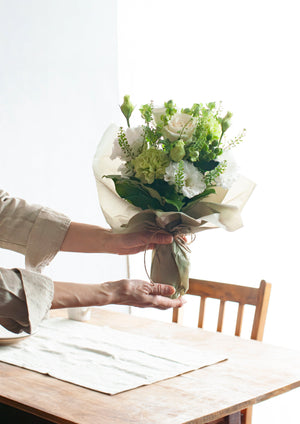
column 253, row 373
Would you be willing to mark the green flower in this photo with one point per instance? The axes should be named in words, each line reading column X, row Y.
column 150, row 165
column 209, row 128
column 127, row 108
column 177, row 152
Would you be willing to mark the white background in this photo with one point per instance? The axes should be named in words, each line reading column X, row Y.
column 58, row 92
column 243, row 53
column 64, row 67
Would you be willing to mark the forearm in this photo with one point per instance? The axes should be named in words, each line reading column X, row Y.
column 123, row 292
column 85, row 238
column 93, row 239
column 70, row 295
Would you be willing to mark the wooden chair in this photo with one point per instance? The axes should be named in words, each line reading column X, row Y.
column 258, row 297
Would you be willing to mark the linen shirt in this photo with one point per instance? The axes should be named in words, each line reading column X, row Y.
column 37, row 233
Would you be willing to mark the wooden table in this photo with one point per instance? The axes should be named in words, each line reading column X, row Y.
column 254, row 372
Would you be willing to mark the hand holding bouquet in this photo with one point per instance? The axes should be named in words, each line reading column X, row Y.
column 173, row 173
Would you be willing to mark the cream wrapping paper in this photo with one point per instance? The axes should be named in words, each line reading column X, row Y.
column 170, row 263
column 102, row 358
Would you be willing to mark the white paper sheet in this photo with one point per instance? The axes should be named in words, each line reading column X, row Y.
column 101, row 358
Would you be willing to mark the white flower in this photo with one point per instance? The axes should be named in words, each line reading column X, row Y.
column 231, row 173
column 126, row 170
column 135, row 138
column 193, row 181
column 181, row 125
column 157, row 112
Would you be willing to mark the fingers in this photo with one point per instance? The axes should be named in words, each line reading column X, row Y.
column 149, row 238
column 162, row 302
column 162, row 289
column 161, row 238
column 160, row 293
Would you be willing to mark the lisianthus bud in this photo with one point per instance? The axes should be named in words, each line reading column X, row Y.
column 225, row 123
column 127, row 108
column 178, row 151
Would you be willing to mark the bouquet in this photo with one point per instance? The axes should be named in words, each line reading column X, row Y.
column 173, row 173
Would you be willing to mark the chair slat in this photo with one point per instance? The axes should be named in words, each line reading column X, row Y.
column 239, row 320
column 178, row 315
column 221, row 315
column 201, row 312
column 231, row 292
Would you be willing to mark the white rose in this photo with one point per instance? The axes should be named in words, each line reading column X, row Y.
column 181, row 125
column 157, row 112
column 135, row 138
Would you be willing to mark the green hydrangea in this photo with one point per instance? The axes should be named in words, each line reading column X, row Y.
column 150, row 165
column 209, row 128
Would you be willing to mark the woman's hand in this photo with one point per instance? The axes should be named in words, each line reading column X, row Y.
column 142, row 294
column 129, row 244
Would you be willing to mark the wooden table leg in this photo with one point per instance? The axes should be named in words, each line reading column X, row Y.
column 229, row 419
column 247, row 415
column 235, row 418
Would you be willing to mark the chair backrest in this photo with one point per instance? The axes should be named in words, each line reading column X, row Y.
column 243, row 295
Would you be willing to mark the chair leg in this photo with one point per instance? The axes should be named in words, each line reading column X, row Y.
column 247, row 415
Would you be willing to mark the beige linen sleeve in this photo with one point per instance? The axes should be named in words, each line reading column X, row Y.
column 25, row 299
column 32, row 230
column 37, row 233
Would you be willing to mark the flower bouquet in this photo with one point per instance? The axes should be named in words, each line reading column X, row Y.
column 173, row 173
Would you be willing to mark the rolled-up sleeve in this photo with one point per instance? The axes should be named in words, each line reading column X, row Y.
column 32, row 230
column 36, row 232
column 25, row 299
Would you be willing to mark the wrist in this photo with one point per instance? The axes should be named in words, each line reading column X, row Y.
column 86, row 238
column 105, row 294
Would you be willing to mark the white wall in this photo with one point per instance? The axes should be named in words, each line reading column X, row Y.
column 244, row 53
column 58, row 92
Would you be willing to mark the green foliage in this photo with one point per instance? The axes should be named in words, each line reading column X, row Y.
column 211, row 176
column 200, row 142
column 200, row 196
column 179, row 177
column 170, row 108
column 170, row 111
column 146, row 112
column 159, row 195
column 136, row 193
column 123, row 142
column 236, row 140
column 152, row 135
column 204, row 166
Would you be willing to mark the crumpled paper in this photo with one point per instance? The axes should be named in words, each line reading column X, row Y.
column 170, row 263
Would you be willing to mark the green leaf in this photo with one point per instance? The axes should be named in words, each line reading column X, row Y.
column 169, row 195
column 204, row 165
column 137, row 193
column 195, row 199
